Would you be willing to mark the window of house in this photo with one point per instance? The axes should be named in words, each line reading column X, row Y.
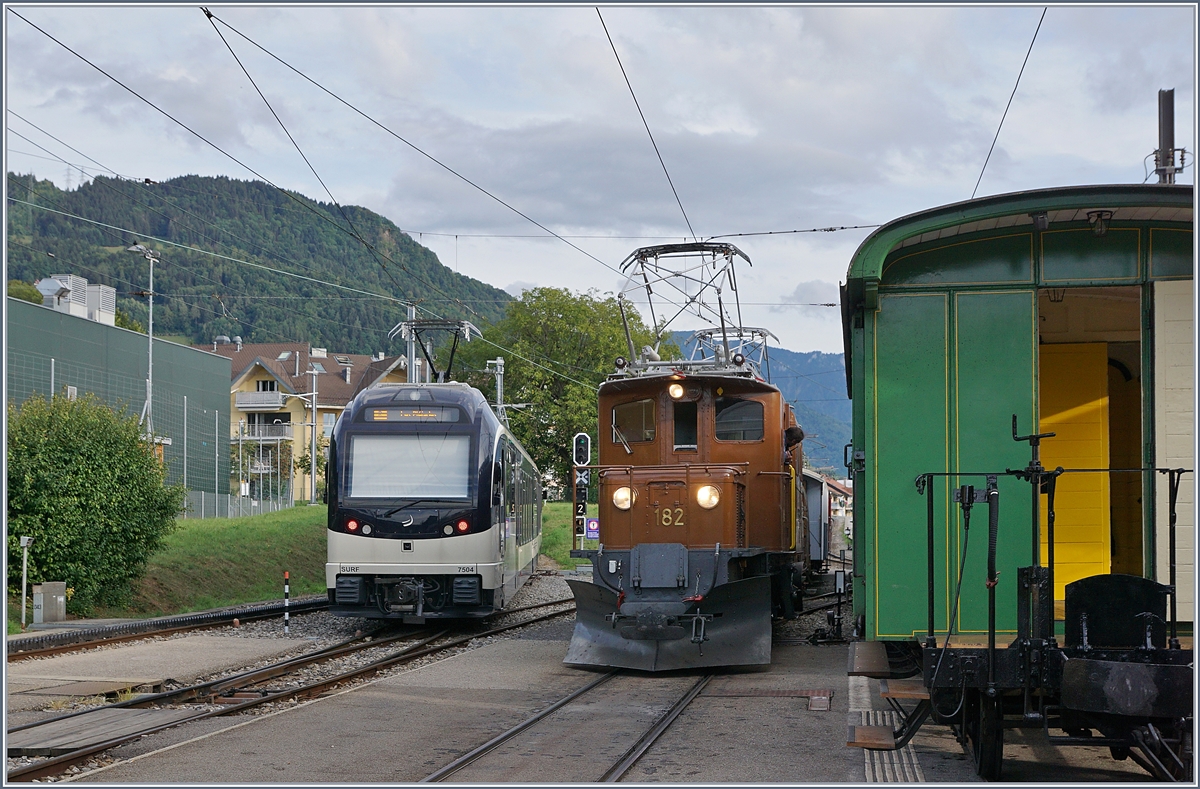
column 633, row 422
column 739, row 420
column 266, row 386
column 330, row 419
column 318, row 367
column 283, row 357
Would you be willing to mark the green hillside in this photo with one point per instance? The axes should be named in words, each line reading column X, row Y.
column 200, row 296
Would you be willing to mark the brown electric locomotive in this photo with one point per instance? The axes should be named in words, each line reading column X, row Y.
column 702, row 528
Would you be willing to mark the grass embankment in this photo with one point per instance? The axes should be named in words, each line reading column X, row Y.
column 213, row 562
column 557, row 533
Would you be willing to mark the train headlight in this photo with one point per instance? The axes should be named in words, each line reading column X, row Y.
column 708, row 496
column 366, row 528
column 675, row 390
column 624, row 497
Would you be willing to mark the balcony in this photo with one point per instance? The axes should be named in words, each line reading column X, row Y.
column 267, row 431
column 259, row 401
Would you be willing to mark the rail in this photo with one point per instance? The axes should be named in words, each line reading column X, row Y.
column 51, row 643
column 57, row 765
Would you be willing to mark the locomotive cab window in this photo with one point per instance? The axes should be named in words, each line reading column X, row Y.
column 633, row 422
column 739, row 420
column 685, row 427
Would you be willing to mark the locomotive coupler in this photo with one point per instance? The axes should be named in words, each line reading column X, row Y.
column 698, row 625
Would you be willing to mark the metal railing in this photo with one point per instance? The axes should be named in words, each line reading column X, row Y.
column 282, row 430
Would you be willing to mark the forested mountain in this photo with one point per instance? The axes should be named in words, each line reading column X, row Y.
column 200, row 296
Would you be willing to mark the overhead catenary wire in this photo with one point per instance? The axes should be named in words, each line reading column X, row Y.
column 205, row 140
column 300, row 151
column 637, row 104
column 298, row 276
column 413, row 146
column 1010, row 101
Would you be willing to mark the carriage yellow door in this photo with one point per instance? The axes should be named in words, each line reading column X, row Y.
column 1073, row 404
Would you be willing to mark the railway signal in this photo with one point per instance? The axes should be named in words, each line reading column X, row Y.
column 582, row 455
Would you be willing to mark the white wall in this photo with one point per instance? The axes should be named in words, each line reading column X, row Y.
column 1174, row 431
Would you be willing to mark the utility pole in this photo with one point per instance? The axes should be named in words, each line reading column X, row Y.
column 147, row 411
column 312, row 466
column 496, row 366
column 411, row 336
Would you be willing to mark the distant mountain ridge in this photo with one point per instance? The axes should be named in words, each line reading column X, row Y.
column 200, row 296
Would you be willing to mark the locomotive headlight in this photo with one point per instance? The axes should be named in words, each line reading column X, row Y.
column 675, row 390
column 708, row 496
column 624, row 497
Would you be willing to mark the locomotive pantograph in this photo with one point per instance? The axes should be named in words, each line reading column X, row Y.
column 702, row 532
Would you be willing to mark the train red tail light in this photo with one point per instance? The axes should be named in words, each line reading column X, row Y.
column 352, row 525
column 463, row 525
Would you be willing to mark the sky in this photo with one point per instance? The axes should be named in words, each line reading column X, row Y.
column 768, row 119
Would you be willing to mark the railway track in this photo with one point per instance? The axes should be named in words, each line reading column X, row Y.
column 63, row 642
column 241, row 692
column 612, row 774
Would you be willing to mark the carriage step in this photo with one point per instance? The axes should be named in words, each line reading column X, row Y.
column 903, row 689
column 868, row 659
column 872, row 738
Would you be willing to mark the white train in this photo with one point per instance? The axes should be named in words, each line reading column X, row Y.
column 435, row 508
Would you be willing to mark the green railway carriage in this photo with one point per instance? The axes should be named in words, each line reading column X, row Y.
column 1029, row 355
column 1070, row 308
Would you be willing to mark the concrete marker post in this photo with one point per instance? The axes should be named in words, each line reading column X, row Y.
column 286, row 594
column 25, row 542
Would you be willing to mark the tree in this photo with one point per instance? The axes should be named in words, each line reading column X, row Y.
column 24, row 291
column 85, row 484
column 123, row 321
column 559, row 348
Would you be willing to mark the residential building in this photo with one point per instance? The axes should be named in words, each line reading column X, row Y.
column 270, row 396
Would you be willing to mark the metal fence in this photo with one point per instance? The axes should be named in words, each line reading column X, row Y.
column 195, row 441
column 226, row 505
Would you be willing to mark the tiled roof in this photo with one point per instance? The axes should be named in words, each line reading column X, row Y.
column 334, row 387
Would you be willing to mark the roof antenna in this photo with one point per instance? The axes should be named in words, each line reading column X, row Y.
column 1164, row 157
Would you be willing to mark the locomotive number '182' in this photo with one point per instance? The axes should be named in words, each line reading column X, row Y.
column 668, row 516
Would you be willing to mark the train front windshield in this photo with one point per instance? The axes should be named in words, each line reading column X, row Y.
column 412, row 466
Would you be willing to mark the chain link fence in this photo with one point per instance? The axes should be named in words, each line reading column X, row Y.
column 194, row 442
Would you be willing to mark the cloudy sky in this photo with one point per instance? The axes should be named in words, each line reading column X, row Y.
column 768, row 119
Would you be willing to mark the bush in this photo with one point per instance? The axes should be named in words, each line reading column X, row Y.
column 24, row 291
column 85, row 484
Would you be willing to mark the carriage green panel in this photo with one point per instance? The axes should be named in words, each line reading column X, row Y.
column 910, row 421
column 983, row 260
column 995, row 376
column 1081, row 257
column 1171, row 253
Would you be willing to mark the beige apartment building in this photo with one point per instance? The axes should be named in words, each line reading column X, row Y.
column 271, row 407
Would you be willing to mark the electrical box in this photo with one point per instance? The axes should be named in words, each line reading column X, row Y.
column 49, row 602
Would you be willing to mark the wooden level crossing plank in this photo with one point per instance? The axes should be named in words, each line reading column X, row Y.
column 903, row 689
column 64, row 736
column 875, row 738
column 101, row 687
column 868, row 659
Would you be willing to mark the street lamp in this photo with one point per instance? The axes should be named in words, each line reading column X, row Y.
column 312, row 466
column 147, row 410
